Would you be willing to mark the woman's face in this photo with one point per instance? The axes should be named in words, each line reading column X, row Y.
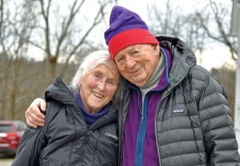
column 98, row 87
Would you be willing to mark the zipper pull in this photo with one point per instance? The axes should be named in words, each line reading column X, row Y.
column 142, row 119
column 87, row 136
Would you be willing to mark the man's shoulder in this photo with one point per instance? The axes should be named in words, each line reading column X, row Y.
column 201, row 75
column 199, row 71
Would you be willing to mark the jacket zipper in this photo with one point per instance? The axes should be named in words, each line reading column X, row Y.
column 82, row 153
column 158, row 105
column 141, row 135
column 86, row 140
column 94, row 153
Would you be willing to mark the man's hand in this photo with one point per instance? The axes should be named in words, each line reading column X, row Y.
column 34, row 117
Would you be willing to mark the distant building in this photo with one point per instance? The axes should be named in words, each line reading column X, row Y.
column 235, row 30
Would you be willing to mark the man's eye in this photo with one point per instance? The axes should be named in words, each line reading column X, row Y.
column 135, row 52
column 120, row 59
column 96, row 75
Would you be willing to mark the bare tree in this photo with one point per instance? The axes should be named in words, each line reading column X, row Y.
column 62, row 32
column 201, row 28
column 1, row 14
column 63, row 29
column 14, row 26
column 215, row 20
column 173, row 20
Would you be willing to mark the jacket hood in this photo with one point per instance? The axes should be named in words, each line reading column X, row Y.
column 60, row 92
column 183, row 58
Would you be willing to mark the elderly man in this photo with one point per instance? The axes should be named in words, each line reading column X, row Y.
column 173, row 112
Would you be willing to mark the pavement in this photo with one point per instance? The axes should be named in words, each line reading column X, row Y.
column 6, row 160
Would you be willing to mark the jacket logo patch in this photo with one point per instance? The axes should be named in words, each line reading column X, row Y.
column 112, row 136
column 178, row 110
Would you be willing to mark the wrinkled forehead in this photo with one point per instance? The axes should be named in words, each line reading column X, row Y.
column 129, row 49
column 132, row 47
column 109, row 69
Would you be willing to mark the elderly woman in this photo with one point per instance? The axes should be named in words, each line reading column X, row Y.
column 81, row 123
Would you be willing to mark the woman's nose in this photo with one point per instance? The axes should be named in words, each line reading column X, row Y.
column 102, row 85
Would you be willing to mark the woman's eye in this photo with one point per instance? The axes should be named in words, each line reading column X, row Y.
column 112, row 82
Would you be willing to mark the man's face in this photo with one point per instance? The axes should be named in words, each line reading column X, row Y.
column 137, row 63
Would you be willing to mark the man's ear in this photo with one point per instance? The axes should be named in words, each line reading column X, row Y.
column 156, row 46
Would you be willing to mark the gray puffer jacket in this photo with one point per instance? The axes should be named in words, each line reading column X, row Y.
column 65, row 139
column 193, row 126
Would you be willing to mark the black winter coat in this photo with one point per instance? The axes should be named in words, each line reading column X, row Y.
column 201, row 134
column 65, row 139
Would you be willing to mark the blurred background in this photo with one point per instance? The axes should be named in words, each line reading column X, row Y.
column 43, row 39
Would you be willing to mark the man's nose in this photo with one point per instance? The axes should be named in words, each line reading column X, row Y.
column 130, row 61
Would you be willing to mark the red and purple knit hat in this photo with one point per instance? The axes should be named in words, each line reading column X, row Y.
column 126, row 28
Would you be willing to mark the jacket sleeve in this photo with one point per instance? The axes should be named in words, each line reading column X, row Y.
column 30, row 148
column 218, row 133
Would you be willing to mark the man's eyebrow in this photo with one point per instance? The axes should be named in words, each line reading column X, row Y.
column 135, row 47
column 130, row 49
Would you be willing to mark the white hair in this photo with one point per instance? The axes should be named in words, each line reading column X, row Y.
column 90, row 62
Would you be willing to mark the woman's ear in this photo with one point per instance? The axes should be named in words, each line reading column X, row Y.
column 79, row 84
